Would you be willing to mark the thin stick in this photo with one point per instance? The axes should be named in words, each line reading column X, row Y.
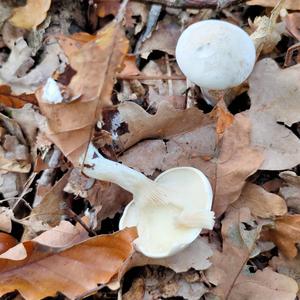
column 220, row 4
column 146, row 77
column 72, row 215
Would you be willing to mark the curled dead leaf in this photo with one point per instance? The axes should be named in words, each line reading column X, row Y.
column 107, row 252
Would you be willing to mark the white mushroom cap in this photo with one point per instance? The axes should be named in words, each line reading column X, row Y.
column 215, row 54
column 160, row 233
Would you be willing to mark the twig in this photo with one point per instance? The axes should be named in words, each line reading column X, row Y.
column 220, row 4
column 75, row 217
column 146, row 77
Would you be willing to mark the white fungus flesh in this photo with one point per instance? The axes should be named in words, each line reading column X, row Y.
column 160, row 233
column 215, row 54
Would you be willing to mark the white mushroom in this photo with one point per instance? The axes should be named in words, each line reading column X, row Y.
column 215, row 55
column 169, row 213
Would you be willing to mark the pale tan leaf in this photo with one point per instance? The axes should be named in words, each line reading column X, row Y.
column 289, row 4
column 288, row 267
column 260, row 202
column 264, row 284
column 239, row 242
column 274, row 97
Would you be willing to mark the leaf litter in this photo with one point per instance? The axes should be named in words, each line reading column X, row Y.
column 113, row 73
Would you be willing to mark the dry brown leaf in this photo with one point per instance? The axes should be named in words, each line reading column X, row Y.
column 229, row 271
column 274, row 97
column 106, row 198
column 288, row 267
column 164, row 38
column 291, row 192
column 63, row 235
column 49, row 266
column 5, row 219
column 71, row 123
column 31, row 15
column 11, row 184
column 260, row 202
column 285, row 234
column 292, row 22
column 167, row 122
column 289, row 4
column 264, row 284
column 129, row 66
column 239, row 234
column 51, row 208
column 53, row 59
column 29, row 120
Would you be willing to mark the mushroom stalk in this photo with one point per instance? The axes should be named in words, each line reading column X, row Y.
column 98, row 167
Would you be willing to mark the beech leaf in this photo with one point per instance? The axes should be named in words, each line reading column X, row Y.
column 72, row 271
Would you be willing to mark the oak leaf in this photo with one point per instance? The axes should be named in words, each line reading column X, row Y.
column 274, row 95
column 72, row 271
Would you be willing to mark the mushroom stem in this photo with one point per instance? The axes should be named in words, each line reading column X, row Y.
column 144, row 190
column 98, row 167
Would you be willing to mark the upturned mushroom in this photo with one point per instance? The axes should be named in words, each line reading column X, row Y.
column 215, row 55
column 169, row 212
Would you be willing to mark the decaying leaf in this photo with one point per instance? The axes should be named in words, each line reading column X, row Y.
column 291, row 192
column 288, row 267
column 14, row 70
column 274, row 97
column 260, row 202
column 30, row 15
column 264, row 284
column 229, row 271
column 160, row 284
column 285, row 234
column 72, row 271
column 239, row 234
column 94, row 66
column 164, row 38
column 289, row 4
column 51, row 209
